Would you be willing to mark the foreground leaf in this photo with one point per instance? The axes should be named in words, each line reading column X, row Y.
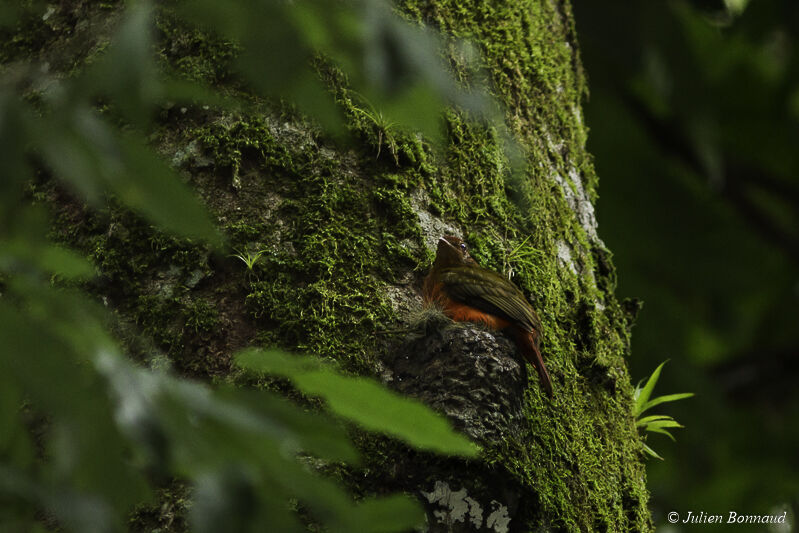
column 363, row 401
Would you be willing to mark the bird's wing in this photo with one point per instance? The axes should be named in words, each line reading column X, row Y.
column 491, row 293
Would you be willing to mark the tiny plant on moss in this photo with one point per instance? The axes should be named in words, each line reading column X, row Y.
column 382, row 124
column 642, row 403
column 250, row 259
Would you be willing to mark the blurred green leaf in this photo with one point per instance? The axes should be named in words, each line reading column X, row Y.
column 15, row 443
column 363, row 401
column 208, row 432
column 316, row 434
column 393, row 513
column 397, row 64
column 225, row 501
column 228, row 500
column 27, row 251
column 78, row 512
column 417, row 109
column 376, row 408
column 27, row 255
column 88, row 153
column 85, row 450
column 13, row 132
column 127, row 73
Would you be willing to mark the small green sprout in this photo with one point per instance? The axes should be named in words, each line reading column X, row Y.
column 382, row 124
column 642, row 403
column 250, row 259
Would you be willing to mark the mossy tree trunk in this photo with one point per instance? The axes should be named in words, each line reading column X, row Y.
column 343, row 237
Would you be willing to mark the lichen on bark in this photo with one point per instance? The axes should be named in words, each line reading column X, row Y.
column 344, row 235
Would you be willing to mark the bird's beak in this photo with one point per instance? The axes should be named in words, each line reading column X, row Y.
column 445, row 241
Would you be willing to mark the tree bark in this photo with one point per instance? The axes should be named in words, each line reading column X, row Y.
column 344, row 236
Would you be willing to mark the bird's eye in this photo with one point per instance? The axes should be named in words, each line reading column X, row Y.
column 463, row 246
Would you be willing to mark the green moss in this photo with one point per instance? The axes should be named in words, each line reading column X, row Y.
column 192, row 53
column 201, row 315
column 320, row 286
column 62, row 36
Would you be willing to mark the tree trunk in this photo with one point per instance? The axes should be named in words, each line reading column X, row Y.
column 343, row 236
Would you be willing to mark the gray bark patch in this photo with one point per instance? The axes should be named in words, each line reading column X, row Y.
column 469, row 374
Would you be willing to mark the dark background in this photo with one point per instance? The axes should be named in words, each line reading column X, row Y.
column 694, row 117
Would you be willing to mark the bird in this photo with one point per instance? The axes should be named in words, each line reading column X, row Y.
column 467, row 292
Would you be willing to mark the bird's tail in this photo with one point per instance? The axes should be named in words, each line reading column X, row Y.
column 526, row 341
